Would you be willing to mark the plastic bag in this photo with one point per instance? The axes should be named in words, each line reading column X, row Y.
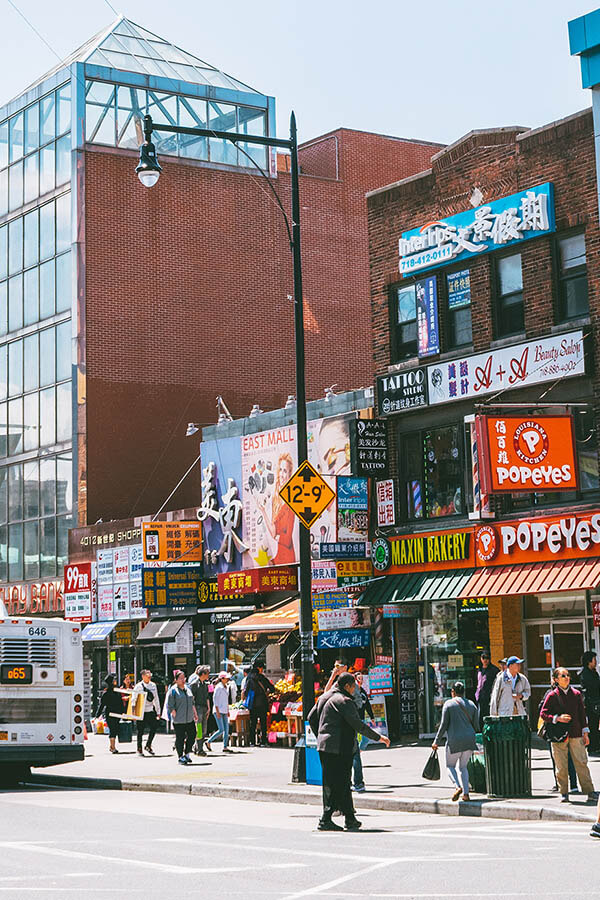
column 432, row 767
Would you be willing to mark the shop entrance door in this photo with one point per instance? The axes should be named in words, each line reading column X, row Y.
column 552, row 643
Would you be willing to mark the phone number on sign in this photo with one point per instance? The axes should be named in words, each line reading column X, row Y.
column 425, row 258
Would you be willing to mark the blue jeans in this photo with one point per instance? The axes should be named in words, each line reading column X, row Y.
column 359, row 780
column 222, row 731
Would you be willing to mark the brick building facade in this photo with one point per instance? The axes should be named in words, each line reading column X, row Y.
column 503, row 310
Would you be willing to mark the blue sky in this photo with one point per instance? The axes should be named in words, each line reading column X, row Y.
column 429, row 70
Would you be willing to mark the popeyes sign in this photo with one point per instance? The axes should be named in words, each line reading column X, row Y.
column 527, row 453
column 538, row 540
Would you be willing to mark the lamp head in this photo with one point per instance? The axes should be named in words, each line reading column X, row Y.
column 192, row 429
column 148, row 169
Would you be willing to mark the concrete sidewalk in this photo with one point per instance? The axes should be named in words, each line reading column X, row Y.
column 393, row 779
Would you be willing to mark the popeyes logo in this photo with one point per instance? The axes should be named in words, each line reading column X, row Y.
column 537, row 540
column 486, row 543
column 526, row 453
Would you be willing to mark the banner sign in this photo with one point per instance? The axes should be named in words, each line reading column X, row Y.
column 105, row 603
column 330, row 600
column 353, row 508
column 400, row 611
column 370, row 446
column 221, row 509
column 459, row 289
column 353, row 571
column 323, row 575
column 380, row 680
column 121, row 601
column 526, row 453
column 78, row 595
column 473, row 604
column 428, row 333
column 418, row 553
column 344, row 638
column 330, row 619
column 171, row 587
column 466, row 235
column 507, row 368
column 402, row 391
column 208, row 593
column 386, row 506
column 344, row 550
column 172, row 542
column 543, row 539
column 256, row 581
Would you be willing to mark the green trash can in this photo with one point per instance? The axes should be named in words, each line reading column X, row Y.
column 507, row 747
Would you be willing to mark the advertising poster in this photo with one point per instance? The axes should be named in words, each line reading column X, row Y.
column 428, row 335
column 323, row 576
column 386, row 505
column 221, row 510
column 121, row 601
column 350, row 638
column 369, row 438
column 459, row 289
column 78, row 592
column 104, row 559
column 172, row 542
column 121, row 565
column 136, row 563
column 269, row 527
column 105, row 603
column 353, row 509
column 329, row 452
column 137, row 610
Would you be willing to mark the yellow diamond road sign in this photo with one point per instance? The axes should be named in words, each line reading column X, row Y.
column 307, row 494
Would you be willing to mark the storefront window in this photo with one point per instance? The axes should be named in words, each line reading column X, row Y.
column 403, row 322
column 433, row 469
column 542, row 606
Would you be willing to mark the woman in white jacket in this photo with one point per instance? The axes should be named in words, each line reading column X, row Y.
column 511, row 690
column 220, row 700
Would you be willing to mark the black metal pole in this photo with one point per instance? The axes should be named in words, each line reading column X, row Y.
column 306, row 633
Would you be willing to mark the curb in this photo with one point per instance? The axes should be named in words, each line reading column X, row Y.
column 481, row 809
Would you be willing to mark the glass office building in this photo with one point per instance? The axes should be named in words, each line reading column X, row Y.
column 98, row 96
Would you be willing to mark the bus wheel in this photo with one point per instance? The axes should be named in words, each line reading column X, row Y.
column 12, row 775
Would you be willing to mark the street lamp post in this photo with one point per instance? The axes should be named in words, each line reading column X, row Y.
column 148, row 171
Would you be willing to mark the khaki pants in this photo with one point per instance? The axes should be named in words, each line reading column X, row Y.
column 580, row 761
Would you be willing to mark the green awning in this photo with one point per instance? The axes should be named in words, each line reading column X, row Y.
column 415, row 587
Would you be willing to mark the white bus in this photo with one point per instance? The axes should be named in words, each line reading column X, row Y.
column 41, row 694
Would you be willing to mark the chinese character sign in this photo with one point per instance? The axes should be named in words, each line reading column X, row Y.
column 428, row 335
column 353, row 509
column 527, row 453
column 370, row 446
column 346, row 637
column 221, row 508
column 507, row 368
column 386, row 507
column 459, row 289
column 174, row 542
column 78, row 593
column 500, row 223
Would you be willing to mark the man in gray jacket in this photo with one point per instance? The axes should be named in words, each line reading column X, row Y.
column 180, row 704
column 198, row 684
column 335, row 721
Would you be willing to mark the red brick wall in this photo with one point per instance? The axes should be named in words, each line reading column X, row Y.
column 186, row 298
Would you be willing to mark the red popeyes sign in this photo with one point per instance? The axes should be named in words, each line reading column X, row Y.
column 542, row 539
column 526, row 453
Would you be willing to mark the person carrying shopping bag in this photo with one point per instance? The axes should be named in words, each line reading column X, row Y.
column 221, row 713
column 460, row 723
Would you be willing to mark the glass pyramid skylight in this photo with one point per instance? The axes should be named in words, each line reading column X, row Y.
column 129, row 47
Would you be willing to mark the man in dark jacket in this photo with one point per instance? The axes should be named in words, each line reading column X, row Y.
column 198, row 684
column 335, row 721
column 563, row 706
column 486, row 675
column 590, row 684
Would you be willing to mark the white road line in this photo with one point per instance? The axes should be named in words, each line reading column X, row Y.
column 271, row 849
column 325, row 886
column 46, row 876
column 482, row 836
column 128, row 861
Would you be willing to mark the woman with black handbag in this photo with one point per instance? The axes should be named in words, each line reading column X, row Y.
column 460, row 721
column 589, row 679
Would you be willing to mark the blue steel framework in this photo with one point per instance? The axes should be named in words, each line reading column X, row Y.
column 99, row 95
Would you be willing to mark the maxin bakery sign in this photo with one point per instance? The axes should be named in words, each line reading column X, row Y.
column 418, row 553
column 500, row 223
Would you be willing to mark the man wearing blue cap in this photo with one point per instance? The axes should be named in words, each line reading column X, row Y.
column 510, row 691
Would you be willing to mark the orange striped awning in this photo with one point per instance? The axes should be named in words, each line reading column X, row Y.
column 536, row 578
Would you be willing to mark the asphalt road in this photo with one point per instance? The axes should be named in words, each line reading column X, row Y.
column 63, row 843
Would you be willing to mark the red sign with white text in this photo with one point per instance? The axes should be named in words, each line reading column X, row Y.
column 258, row 581
column 522, row 454
column 78, row 592
column 547, row 538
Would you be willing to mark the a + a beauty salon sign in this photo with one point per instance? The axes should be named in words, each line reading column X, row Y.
column 500, row 223
column 420, row 553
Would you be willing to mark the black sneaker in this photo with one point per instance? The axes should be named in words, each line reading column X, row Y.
column 150, row 751
column 329, row 826
column 595, row 832
column 353, row 825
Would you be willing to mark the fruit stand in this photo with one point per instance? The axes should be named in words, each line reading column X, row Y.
column 284, row 720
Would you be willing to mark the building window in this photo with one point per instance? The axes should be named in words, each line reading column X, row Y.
column 573, row 286
column 432, row 466
column 403, row 314
column 458, row 309
column 510, row 318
